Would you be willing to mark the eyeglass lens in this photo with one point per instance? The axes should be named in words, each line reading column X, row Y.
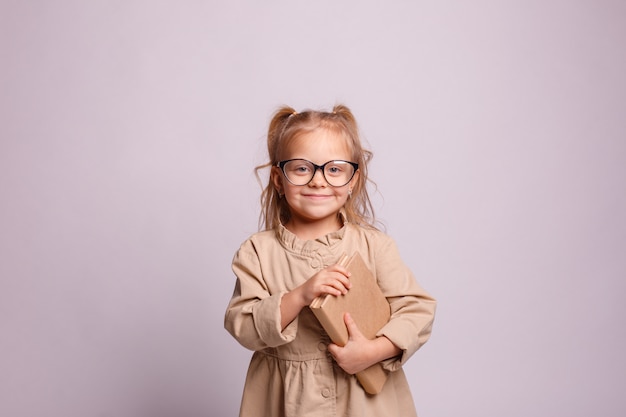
column 301, row 172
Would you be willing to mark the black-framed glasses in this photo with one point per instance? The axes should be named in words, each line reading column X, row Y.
column 337, row 173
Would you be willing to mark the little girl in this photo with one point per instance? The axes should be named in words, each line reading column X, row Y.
column 316, row 208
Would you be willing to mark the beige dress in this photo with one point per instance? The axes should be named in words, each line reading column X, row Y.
column 291, row 373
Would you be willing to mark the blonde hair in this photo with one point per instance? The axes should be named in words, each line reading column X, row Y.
column 285, row 126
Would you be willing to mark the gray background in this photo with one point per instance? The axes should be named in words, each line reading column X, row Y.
column 128, row 135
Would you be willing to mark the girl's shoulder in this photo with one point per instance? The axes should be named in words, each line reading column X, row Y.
column 264, row 237
column 257, row 244
column 371, row 235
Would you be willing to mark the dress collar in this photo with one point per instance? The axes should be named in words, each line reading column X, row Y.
column 293, row 243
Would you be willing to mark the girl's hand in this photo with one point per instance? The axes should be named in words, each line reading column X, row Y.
column 360, row 352
column 332, row 280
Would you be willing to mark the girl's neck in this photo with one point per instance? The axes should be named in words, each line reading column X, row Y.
column 313, row 230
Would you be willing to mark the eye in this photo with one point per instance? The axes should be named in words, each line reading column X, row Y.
column 336, row 168
column 299, row 168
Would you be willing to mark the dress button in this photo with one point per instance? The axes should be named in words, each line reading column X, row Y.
column 321, row 346
column 315, row 264
column 325, row 393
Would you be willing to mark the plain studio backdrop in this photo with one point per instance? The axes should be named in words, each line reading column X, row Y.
column 128, row 135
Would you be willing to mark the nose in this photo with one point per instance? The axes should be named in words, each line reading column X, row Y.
column 318, row 180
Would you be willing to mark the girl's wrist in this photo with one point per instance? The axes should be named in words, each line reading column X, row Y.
column 383, row 349
column 297, row 298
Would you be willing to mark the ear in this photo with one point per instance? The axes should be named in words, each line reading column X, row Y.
column 277, row 179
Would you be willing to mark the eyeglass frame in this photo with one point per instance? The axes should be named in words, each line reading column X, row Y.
column 281, row 166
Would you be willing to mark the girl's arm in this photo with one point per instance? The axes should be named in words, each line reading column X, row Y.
column 253, row 313
column 412, row 308
column 410, row 324
column 258, row 317
column 290, row 306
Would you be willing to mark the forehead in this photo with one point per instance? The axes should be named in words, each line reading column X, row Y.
column 319, row 146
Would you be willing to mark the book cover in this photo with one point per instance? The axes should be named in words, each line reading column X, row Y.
column 368, row 307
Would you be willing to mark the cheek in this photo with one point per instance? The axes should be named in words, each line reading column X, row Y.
column 289, row 190
column 342, row 193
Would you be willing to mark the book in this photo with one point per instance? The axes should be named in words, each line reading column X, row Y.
column 368, row 307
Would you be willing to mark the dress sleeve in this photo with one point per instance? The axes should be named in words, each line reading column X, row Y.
column 253, row 313
column 412, row 308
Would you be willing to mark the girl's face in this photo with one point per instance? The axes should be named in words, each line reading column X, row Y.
column 314, row 206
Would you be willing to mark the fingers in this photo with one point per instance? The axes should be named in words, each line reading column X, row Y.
column 334, row 288
column 347, row 318
column 341, row 269
column 353, row 330
column 335, row 280
column 332, row 280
